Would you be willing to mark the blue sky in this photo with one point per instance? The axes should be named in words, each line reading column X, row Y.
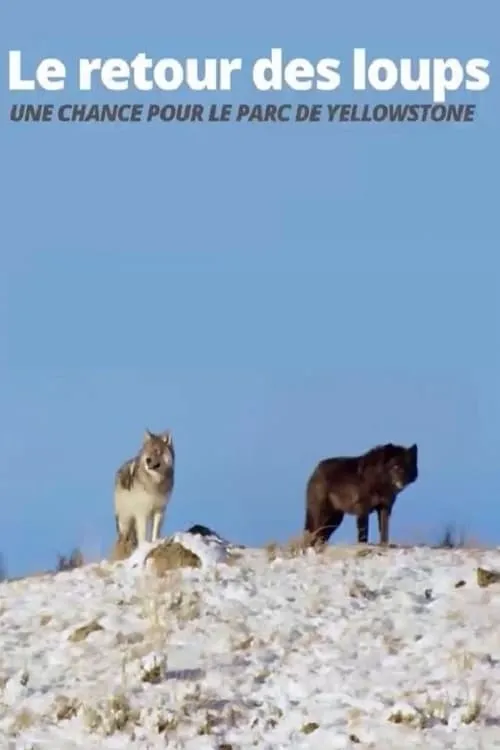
column 273, row 294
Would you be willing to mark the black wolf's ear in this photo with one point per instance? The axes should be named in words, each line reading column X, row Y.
column 147, row 437
column 413, row 450
column 167, row 437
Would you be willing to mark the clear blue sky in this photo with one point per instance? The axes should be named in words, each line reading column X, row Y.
column 274, row 294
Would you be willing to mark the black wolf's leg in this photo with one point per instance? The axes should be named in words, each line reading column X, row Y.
column 322, row 525
column 383, row 514
column 363, row 524
column 336, row 518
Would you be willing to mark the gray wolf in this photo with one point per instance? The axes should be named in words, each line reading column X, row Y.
column 358, row 486
column 143, row 488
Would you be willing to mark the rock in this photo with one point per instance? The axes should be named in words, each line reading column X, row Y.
column 80, row 634
column 201, row 530
column 487, row 577
column 367, row 551
column 171, row 555
column 359, row 589
column 309, row 727
column 205, row 531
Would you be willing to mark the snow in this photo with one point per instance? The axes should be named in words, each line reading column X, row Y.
column 331, row 650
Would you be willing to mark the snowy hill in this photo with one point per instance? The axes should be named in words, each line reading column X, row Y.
column 348, row 648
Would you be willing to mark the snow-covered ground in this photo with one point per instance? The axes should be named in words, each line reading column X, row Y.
column 320, row 651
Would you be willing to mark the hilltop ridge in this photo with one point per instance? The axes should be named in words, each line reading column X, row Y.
column 350, row 647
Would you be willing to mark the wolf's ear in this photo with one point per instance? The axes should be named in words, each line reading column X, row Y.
column 167, row 437
column 147, row 437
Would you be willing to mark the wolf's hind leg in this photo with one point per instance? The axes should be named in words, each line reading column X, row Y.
column 334, row 521
column 125, row 527
column 126, row 540
column 327, row 524
column 383, row 514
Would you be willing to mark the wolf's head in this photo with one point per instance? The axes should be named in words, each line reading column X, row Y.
column 389, row 465
column 157, row 455
column 401, row 465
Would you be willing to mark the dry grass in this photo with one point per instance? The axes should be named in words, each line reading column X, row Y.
column 163, row 602
column 451, row 538
column 65, row 708
column 473, row 701
column 439, row 711
column 234, row 557
column 198, row 707
column 75, row 560
column 295, row 547
column 23, row 720
column 300, row 545
column 115, row 714
column 243, row 644
column 155, row 672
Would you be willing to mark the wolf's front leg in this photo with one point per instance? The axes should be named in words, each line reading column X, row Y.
column 363, row 524
column 157, row 522
column 141, row 527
